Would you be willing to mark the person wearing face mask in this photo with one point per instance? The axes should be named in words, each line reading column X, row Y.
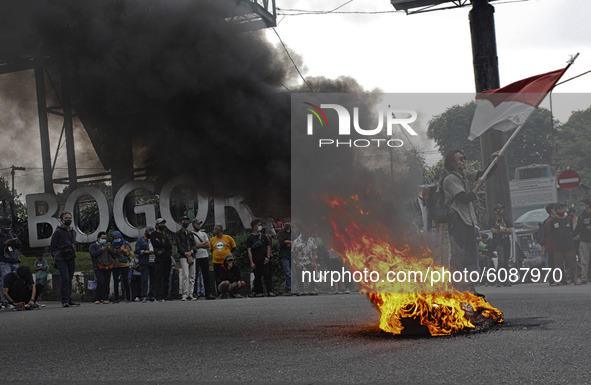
column 501, row 241
column 9, row 256
column 147, row 260
column 583, row 230
column 185, row 245
column 284, row 237
column 259, row 255
column 102, row 276
column 63, row 249
column 561, row 228
column 122, row 261
column 163, row 252
column 220, row 245
column 201, row 242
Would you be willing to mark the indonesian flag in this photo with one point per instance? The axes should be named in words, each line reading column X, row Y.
column 506, row 108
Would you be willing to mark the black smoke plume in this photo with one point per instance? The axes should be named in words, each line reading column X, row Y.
column 195, row 94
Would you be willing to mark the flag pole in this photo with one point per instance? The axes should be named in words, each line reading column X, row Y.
column 502, row 151
column 504, row 148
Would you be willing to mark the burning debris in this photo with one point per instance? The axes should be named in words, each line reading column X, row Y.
column 435, row 304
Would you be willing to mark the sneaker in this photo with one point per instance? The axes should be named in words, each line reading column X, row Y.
column 106, row 302
column 347, row 291
column 144, row 300
column 65, row 304
column 72, row 303
column 137, row 299
column 184, row 299
column 195, row 298
column 97, row 302
column 211, row 296
column 270, row 294
column 287, row 294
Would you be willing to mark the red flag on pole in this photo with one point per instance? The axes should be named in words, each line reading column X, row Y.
column 506, row 108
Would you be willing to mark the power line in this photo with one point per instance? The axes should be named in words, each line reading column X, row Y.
column 300, row 12
column 293, row 62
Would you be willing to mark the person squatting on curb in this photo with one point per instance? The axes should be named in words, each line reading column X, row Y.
column 230, row 279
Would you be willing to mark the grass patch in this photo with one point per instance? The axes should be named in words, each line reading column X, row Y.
column 83, row 262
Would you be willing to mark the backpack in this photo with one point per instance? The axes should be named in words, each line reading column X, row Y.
column 436, row 206
column 105, row 261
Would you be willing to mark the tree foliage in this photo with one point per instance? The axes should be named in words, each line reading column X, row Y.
column 532, row 145
column 572, row 145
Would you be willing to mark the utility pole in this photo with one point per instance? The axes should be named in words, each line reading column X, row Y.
column 486, row 77
column 13, row 168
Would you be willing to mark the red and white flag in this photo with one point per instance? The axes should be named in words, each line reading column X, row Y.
column 506, row 108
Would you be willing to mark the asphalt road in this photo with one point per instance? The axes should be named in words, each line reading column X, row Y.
column 546, row 338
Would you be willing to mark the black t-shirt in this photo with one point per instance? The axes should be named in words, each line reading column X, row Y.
column 584, row 227
column 232, row 275
column 499, row 238
column 258, row 244
column 562, row 233
column 285, row 249
column 162, row 245
column 11, row 278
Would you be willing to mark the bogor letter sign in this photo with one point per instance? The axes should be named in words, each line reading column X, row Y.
column 121, row 221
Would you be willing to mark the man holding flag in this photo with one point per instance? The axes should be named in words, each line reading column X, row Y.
column 501, row 109
column 459, row 196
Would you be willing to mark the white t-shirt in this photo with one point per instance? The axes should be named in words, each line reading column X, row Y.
column 199, row 237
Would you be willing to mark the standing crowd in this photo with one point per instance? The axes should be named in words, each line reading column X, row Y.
column 562, row 235
column 147, row 268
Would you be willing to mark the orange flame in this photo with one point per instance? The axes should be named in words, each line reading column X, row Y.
column 435, row 305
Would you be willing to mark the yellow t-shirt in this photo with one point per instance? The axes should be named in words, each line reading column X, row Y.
column 221, row 247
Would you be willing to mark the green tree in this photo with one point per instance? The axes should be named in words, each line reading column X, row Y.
column 532, row 145
column 450, row 130
column 572, row 145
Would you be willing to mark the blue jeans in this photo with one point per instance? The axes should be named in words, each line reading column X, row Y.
column 286, row 264
column 66, row 269
column 199, row 287
column 148, row 272
column 5, row 268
